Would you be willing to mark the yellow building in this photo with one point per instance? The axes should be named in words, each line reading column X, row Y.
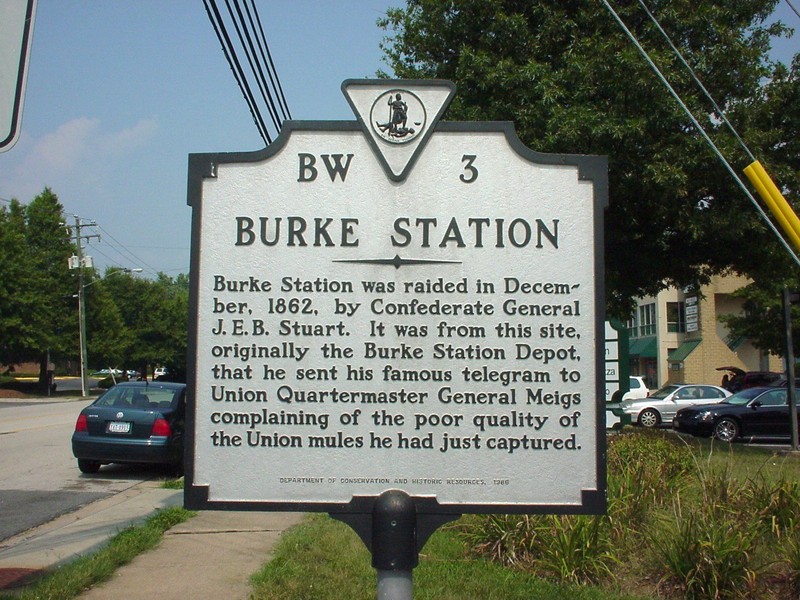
column 676, row 336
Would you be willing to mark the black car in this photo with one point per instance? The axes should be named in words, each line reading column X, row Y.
column 758, row 412
column 133, row 422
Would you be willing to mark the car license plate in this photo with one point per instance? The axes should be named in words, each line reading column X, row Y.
column 119, row 427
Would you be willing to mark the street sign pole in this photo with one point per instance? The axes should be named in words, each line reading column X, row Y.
column 394, row 527
column 788, row 299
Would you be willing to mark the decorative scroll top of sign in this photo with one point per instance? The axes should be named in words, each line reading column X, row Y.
column 398, row 117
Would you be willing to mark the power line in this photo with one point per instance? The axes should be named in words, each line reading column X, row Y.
column 249, row 58
column 792, row 7
column 246, row 40
column 271, row 70
column 717, row 108
column 137, row 260
column 700, row 129
column 230, row 55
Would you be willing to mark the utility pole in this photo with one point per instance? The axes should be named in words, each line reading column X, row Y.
column 79, row 262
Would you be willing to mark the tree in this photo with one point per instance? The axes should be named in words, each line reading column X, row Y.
column 35, row 319
column 155, row 313
column 566, row 75
column 109, row 340
column 49, row 245
column 762, row 319
column 19, row 305
column 130, row 321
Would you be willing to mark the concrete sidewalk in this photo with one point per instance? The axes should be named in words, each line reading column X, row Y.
column 214, row 553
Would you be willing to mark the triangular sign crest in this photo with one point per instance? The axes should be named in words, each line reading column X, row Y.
column 398, row 117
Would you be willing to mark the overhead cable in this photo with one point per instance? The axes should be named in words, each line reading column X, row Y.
column 717, row 108
column 259, row 68
column 250, row 60
column 792, row 7
column 131, row 255
column 255, row 67
column 236, row 67
column 277, row 83
column 700, row 129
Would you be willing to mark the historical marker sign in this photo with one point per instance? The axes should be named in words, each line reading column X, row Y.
column 397, row 302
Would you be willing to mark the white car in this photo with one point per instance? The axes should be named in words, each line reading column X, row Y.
column 637, row 389
column 160, row 372
column 662, row 405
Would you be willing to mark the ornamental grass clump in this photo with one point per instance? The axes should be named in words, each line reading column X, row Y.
column 642, row 471
column 574, row 549
column 706, row 552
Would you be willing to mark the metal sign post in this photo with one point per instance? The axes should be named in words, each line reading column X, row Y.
column 397, row 320
column 790, row 298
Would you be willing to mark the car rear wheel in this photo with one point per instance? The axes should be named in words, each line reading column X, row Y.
column 726, row 430
column 88, row 466
column 649, row 417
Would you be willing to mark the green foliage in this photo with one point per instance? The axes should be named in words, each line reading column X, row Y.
column 324, row 559
column 702, row 523
column 706, row 552
column 574, row 549
column 34, row 281
column 582, row 549
column 155, row 316
column 131, row 321
column 762, row 318
column 790, row 551
column 19, row 307
column 570, row 80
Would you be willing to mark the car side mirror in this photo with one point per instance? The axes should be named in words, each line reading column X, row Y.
column 756, row 404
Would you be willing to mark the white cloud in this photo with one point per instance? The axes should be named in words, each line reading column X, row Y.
column 77, row 151
column 130, row 138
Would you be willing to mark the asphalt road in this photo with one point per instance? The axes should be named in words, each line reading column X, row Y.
column 39, row 477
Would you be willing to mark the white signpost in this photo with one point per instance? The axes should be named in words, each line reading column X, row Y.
column 397, row 303
column 16, row 35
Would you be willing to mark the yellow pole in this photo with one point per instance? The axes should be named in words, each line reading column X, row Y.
column 775, row 201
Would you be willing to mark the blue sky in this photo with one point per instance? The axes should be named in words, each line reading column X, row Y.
column 119, row 93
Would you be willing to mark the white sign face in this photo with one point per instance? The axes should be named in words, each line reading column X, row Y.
column 16, row 33
column 438, row 334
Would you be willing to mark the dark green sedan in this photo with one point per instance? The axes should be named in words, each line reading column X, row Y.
column 133, row 422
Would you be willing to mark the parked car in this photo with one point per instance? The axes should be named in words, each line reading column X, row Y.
column 761, row 412
column 661, row 406
column 736, row 379
column 160, row 372
column 133, row 422
column 106, row 372
column 638, row 388
column 111, row 380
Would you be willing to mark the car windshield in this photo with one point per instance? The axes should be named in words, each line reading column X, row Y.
column 664, row 391
column 743, row 397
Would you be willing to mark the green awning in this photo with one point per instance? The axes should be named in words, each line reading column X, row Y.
column 643, row 347
column 684, row 350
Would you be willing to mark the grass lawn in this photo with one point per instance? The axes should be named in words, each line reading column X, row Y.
column 321, row 558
